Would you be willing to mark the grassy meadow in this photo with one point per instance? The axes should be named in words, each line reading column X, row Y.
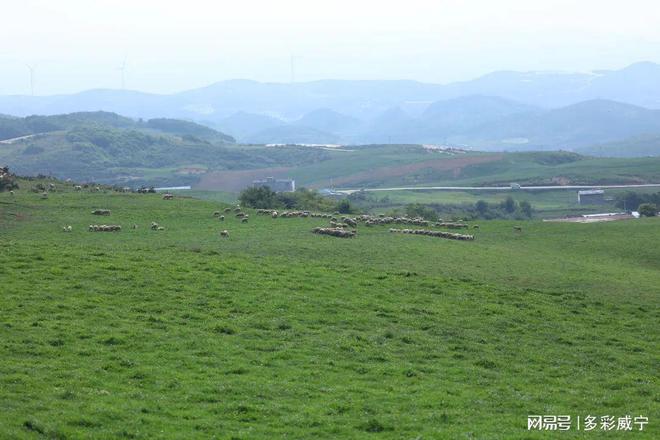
column 276, row 332
column 546, row 203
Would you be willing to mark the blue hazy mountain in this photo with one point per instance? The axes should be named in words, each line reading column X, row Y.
column 511, row 110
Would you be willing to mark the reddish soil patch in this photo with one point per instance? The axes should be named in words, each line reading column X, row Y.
column 237, row 180
column 455, row 165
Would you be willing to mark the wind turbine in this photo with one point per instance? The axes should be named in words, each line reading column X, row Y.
column 122, row 69
column 31, row 68
column 293, row 67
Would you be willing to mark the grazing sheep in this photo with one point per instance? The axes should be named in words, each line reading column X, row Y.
column 11, row 192
column 224, row 233
column 135, row 226
column 221, row 218
column 216, row 213
column 265, row 211
column 160, row 228
column 273, row 214
column 244, row 220
column 78, row 188
column 101, row 212
column 168, row 196
column 51, row 187
column 104, row 228
column 517, row 228
column 452, row 225
column 154, row 226
column 475, row 227
column 67, row 228
column 227, row 210
column 440, row 234
column 334, row 232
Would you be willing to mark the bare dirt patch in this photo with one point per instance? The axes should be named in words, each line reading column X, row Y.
column 455, row 165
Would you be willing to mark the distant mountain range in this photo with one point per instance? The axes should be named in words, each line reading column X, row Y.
column 501, row 110
column 479, row 122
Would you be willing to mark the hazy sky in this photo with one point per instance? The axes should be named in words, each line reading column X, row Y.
column 171, row 46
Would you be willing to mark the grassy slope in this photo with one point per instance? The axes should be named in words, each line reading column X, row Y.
column 525, row 168
column 121, row 156
column 277, row 331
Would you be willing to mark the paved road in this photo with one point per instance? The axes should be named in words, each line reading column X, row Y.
column 20, row 138
column 496, row 188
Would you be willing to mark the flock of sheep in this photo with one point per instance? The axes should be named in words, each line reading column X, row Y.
column 441, row 234
column 338, row 225
column 335, row 232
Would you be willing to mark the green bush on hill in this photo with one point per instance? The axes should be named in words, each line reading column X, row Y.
column 301, row 199
column 415, row 210
column 648, row 209
column 507, row 209
column 631, row 199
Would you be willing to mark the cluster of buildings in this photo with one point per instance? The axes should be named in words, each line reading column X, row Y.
column 591, row 197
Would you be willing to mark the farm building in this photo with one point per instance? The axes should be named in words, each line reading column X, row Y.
column 591, row 197
column 277, row 185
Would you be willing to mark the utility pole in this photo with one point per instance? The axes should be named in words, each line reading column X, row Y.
column 292, row 61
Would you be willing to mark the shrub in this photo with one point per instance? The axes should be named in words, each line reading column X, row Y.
column 420, row 210
column 648, row 210
column 526, row 208
column 302, row 199
column 509, row 205
column 344, row 206
column 260, row 197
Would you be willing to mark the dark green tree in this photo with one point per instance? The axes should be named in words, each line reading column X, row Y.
column 482, row 207
column 420, row 210
column 526, row 208
column 509, row 205
column 648, row 210
column 344, row 206
column 260, row 197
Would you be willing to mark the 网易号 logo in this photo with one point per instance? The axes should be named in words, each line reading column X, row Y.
column 586, row 423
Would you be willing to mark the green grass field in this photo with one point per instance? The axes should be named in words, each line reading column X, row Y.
column 389, row 166
column 276, row 332
column 546, row 203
